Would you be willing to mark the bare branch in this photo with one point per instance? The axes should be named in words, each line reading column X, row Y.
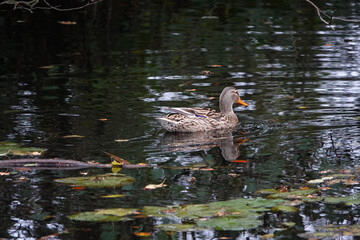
column 319, row 14
column 330, row 17
column 34, row 4
column 71, row 9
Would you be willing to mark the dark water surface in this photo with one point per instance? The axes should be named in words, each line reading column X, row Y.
column 127, row 61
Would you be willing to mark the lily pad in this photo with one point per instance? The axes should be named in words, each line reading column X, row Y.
column 108, row 215
column 102, row 180
column 297, row 194
column 231, row 223
column 284, row 208
column 349, row 200
column 9, row 148
column 178, row 227
column 333, row 232
column 237, row 214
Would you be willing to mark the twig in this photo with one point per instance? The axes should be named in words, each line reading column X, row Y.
column 33, row 4
column 71, row 9
column 319, row 14
column 331, row 17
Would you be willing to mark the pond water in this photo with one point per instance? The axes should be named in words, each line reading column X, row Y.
column 105, row 73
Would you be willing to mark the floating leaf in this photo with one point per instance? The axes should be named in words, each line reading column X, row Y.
column 178, row 227
column 67, row 22
column 289, row 224
column 348, row 200
column 113, row 196
column 284, row 208
column 102, row 180
column 333, row 232
column 232, row 223
column 154, row 186
column 117, row 159
column 142, row 234
column 114, row 214
column 73, row 136
column 7, row 148
column 240, row 161
column 294, row 194
column 121, row 140
column 46, row 67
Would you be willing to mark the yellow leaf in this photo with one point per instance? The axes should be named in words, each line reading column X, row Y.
column 302, row 107
column 143, row 234
column 113, row 196
column 154, row 186
column 121, row 140
column 73, row 136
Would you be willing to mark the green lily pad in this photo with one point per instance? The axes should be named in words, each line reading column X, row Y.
column 333, row 232
column 284, row 208
column 237, row 214
column 231, row 223
column 178, row 227
column 297, row 194
column 102, row 180
column 108, row 215
column 9, row 148
column 267, row 191
column 349, row 200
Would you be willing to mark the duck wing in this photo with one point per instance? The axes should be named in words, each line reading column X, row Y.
column 197, row 112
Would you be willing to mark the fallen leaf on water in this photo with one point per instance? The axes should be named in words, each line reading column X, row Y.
column 84, row 173
column 154, row 186
column 117, row 159
column 67, row 22
column 326, row 171
column 283, row 188
column 121, row 140
column 328, row 44
column 92, row 162
column 103, row 119
column 46, row 67
column 233, row 174
column 215, row 66
column 113, row 196
column 324, row 188
column 302, row 107
column 190, row 90
column 267, row 236
column 142, row 234
column 206, row 72
column 78, row 188
column 304, row 188
column 73, row 136
column 211, row 98
column 351, row 182
column 4, row 173
column 206, row 169
column 240, row 161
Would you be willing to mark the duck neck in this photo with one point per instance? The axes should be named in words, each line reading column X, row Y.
column 226, row 108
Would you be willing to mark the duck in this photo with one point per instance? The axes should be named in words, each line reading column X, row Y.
column 204, row 119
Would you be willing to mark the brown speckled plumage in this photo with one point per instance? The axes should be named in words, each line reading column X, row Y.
column 201, row 119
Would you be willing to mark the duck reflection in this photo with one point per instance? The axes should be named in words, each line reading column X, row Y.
column 177, row 142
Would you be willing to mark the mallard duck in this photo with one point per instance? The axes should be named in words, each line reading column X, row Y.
column 201, row 119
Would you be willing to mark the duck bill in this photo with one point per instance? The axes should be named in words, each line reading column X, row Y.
column 242, row 102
